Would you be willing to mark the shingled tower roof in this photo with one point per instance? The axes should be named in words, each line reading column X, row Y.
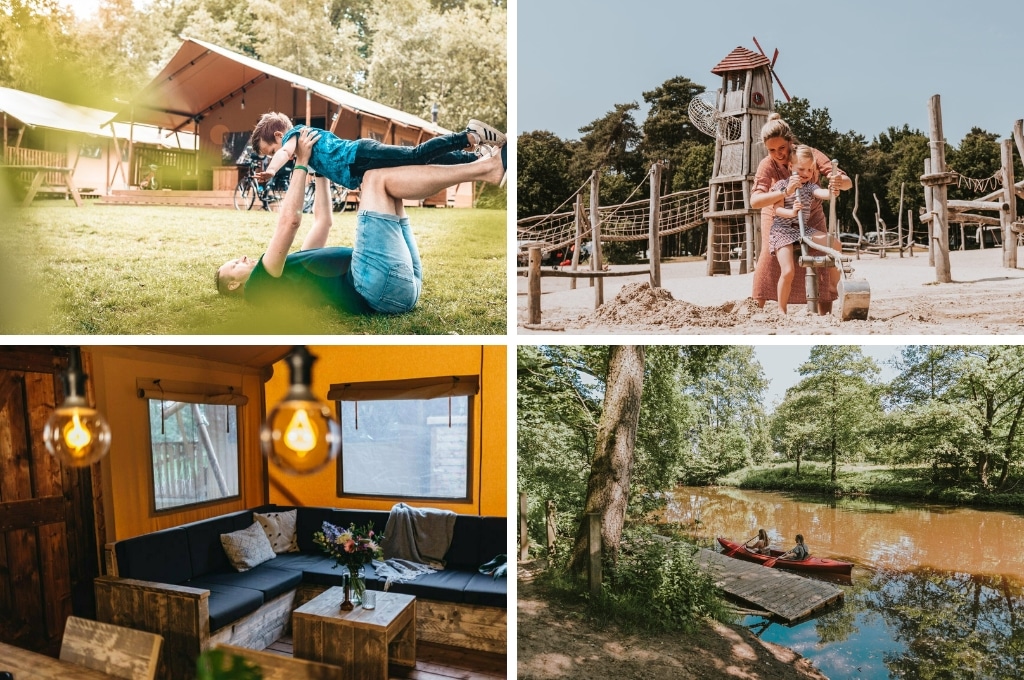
column 740, row 59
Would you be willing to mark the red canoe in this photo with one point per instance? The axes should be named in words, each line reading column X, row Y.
column 819, row 564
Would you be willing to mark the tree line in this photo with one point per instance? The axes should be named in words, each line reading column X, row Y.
column 611, row 429
column 408, row 54
column 622, row 148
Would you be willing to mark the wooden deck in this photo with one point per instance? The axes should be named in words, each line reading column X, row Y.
column 434, row 662
column 786, row 595
column 205, row 199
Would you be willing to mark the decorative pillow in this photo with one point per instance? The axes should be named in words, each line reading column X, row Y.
column 280, row 529
column 247, row 548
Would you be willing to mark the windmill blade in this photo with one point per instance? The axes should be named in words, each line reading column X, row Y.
column 771, row 67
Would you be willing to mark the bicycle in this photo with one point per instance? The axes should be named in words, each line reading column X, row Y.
column 248, row 189
column 149, row 180
column 339, row 197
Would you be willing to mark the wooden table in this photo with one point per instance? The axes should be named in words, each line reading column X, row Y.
column 361, row 641
column 38, row 172
column 26, row 665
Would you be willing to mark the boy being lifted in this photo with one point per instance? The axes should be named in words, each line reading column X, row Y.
column 345, row 161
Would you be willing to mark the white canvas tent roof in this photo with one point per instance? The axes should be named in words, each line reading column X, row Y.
column 37, row 111
column 201, row 77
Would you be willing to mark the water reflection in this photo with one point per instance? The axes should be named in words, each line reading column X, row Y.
column 937, row 592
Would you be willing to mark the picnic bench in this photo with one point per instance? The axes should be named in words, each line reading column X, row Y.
column 38, row 173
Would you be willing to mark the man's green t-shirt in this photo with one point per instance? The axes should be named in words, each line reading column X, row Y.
column 313, row 277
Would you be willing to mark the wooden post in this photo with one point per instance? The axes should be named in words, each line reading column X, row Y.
column 596, row 261
column 929, row 212
column 654, row 240
column 940, row 225
column 551, row 527
column 524, row 537
column 577, row 210
column 1008, row 217
column 910, row 231
column 594, row 552
column 533, row 285
column 899, row 219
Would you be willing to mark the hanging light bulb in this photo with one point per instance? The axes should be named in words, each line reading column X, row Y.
column 300, row 436
column 76, row 434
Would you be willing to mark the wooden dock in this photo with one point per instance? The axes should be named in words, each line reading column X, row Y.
column 788, row 596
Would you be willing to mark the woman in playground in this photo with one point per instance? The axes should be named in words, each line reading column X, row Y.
column 345, row 161
column 800, row 194
column 779, row 142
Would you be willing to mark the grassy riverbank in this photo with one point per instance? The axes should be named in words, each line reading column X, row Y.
column 909, row 483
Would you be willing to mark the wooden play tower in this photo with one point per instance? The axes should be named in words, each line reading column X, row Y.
column 744, row 102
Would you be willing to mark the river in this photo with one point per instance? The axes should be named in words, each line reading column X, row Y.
column 937, row 591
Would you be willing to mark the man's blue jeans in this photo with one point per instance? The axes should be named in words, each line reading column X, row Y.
column 386, row 268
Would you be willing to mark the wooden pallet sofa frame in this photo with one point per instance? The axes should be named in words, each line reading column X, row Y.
column 178, row 582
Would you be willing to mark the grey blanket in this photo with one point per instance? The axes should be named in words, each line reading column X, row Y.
column 419, row 535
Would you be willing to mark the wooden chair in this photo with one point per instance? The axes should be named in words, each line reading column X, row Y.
column 115, row 650
column 278, row 667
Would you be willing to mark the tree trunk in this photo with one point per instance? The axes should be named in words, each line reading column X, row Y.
column 610, row 471
column 835, row 459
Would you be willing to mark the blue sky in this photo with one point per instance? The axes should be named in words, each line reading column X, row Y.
column 577, row 60
column 781, row 362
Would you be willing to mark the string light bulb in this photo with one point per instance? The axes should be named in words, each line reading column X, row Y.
column 75, row 433
column 300, row 435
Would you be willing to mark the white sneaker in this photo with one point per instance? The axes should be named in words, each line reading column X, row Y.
column 485, row 134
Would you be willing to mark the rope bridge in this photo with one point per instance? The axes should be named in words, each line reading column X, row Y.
column 679, row 212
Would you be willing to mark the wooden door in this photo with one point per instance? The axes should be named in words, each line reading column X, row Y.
column 48, row 555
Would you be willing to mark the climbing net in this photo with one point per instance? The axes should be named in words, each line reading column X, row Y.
column 980, row 186
column 630, row 221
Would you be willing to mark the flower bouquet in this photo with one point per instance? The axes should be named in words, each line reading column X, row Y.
column 350, row 548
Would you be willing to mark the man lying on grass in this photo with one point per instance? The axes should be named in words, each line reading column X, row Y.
column 382, row 272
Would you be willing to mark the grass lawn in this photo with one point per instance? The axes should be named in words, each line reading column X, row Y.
column 140, row 270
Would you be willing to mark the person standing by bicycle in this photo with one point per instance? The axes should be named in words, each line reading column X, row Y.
column 345, row 161
column 382, row 272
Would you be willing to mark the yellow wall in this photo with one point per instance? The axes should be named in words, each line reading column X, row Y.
column 363, row 363
column 127, row 477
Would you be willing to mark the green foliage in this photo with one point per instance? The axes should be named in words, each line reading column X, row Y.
column 827, row 414
column 657, row 585
column 214, row 664
column 409, row 54
column 544, row 176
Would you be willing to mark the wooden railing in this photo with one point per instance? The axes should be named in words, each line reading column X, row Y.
column 55, row 159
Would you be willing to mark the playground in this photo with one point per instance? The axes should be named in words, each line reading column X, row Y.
column 983, row 299
column 884, row 286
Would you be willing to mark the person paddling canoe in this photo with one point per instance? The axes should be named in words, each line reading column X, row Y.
column 760, row 544
column 799, row 551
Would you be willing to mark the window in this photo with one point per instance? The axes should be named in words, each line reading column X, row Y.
column 406, row 438
column 193, row 434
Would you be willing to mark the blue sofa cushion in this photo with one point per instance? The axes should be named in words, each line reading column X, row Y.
column 270, row 582
column 444, row 586
column 485, row 590
column 464, row 552
column 161, row 556
column 229, row 603
column 493, row 531
column 204, row 546
column 308, row 521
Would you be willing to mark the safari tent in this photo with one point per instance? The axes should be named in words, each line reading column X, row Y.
column 218, row 95
column 39, row 131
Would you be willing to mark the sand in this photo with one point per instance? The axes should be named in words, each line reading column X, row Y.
column 983, row 299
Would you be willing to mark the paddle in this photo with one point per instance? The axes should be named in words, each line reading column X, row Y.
column 732, row 551
column 771, row 562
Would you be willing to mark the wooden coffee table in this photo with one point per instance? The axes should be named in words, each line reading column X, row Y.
column 360, row 641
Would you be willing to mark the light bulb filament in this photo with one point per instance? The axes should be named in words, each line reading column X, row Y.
column 76, row 436
column 301, row 434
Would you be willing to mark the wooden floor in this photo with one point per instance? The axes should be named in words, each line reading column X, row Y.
column 435, row 662
column 787, row 595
